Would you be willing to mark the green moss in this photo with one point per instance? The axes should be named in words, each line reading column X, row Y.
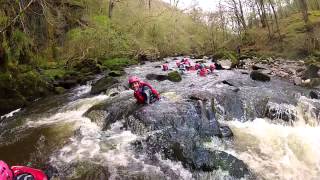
column 174, row 76
column 54, row 73
column 118, row 64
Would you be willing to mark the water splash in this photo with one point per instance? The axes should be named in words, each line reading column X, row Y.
column 275, row 151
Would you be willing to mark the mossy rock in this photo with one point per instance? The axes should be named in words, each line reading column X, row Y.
column 174, row 76
column 116, row 73
column 103, row 84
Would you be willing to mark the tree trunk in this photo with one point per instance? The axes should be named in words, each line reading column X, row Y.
column 304, row 9
column 242, row 16
column 111, row 6
column 276, row 19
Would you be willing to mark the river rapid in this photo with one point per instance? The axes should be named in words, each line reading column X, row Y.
column 275, row 127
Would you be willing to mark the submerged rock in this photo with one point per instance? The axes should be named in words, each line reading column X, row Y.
column 314, row 94
column 259, row 76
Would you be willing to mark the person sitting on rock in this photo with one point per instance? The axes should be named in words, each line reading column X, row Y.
column 20, row 173
column 143, row 92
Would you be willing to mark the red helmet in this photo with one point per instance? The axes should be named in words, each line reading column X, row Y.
column 133, row 79
column 5, row 171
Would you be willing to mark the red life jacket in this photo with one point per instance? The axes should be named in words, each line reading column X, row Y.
column 203, row 72
column 139, row 94
column 36, row 173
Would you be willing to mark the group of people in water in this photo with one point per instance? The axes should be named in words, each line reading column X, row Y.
column 146, row 94
column 185, row 65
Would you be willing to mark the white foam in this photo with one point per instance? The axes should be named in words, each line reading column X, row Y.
column 277, row 151
column 10, row 114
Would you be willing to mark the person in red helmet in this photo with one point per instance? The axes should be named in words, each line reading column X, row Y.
column 143, row 92
column 20, row 173
column 212, row 67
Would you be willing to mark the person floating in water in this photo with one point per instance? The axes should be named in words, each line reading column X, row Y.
column 143, row 92
column 165, row 67
column 20, row 173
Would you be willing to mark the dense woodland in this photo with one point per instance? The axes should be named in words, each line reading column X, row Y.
column 47, row 46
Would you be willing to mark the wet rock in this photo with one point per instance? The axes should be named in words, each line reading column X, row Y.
column 180, row 128
column 312, row 83
column 259, row 76
column 314, row 94
column 226, row 64
column 201, row 61
column 67, row 84
column 227, row 83
column 11, row 104
column 89, row 65
column 211, row 160
column 111, row 110
column 244, row 71
column 59, row 90
column 156, row 77
column 225, row 131
column 228, row 105
column 218, row 66
column 259, row 66
column 282, row 111
column 311, row 72
column 267, row 71
column 174, row 76
column 297, row 81
column 116, row 73
column 103, row 84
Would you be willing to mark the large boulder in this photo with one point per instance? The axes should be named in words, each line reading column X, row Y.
column 103, row 84
column 226, row 64
column 89, row 65
column 111, row 110
column 314, row 94
column 259, row 76
column 312, row 83
column 311, row 72
column 178, row 130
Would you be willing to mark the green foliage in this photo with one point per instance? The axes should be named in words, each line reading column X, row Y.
column 118, row 63
column 53, row 74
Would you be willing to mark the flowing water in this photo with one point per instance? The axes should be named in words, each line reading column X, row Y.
column 55, row 131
